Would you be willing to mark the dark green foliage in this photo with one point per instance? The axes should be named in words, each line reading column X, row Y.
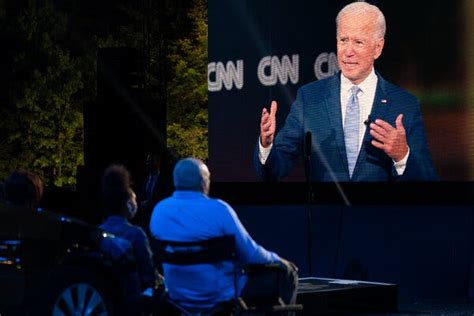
column 42, row 124
column 187, row 89
column 174, row 38
column 51, row 54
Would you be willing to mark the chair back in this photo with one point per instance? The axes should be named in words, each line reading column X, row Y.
column 211, row 250
column 219, row 249
column 195, row 252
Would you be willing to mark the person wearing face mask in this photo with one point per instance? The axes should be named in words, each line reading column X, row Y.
column 191, row 215
column 120, row 205
column 360, row 127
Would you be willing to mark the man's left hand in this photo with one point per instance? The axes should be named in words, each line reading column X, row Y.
column 392, row 140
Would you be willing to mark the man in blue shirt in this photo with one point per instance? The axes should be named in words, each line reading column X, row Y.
column 190, row 215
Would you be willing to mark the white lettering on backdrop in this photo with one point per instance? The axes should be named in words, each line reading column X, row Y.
column 271, row 70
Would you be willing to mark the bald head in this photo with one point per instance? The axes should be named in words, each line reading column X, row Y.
column 191, row 174
column 364, row 10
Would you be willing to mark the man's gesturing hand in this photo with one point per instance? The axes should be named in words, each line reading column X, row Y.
column 392, row 140
column 268, row 125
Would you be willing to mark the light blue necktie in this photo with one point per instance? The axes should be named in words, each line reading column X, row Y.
column 351, row 129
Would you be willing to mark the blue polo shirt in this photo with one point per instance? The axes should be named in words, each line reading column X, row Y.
column 192, row 216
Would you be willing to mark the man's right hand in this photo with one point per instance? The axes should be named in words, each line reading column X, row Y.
column 268, row 125
column 288, row 265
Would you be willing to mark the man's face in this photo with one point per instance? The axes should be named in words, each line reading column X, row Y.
column 358, row 45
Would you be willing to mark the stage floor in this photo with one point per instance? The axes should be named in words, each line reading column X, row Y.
column 323, row 296
column 460, row 307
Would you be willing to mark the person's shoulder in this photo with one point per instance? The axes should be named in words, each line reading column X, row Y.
column 218, row 202
column 164, row 203
column 220, row 205
column 138, row 232
column 314, row 90
column 110, row 222
column 162, row 210
column 319, row 84
column 395, row 91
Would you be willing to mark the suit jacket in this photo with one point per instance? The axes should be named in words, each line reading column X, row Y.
column 151, row 187
column 317, row 109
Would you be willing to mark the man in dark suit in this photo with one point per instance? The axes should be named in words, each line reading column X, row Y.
column 362, row 127
column 151, row 187
column 151, row 191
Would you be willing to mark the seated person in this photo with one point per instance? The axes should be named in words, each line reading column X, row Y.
column 23, row 189
column 190, row 215
column 120, row 204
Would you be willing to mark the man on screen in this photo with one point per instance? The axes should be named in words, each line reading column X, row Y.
column 361, row 127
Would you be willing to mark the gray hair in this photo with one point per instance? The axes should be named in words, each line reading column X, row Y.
column 360, row 7
column 191, row 174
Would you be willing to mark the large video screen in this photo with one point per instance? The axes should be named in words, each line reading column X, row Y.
column 264, row 50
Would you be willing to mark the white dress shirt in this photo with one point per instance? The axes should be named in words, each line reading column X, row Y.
column 366, row 97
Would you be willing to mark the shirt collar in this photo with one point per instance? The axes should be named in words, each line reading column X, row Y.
column 364, row 86
column 188, row 194
column 117, row 218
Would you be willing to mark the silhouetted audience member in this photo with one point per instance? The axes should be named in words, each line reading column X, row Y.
column 150, row 190
column 119, row 202
column 23, row 189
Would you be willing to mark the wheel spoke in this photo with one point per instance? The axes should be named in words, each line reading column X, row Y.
column 67, row 297
column 82, row 290
column 93, row 302
column 58, row 312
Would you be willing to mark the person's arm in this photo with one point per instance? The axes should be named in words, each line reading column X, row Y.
column 419, row 165
column 144, row 257
column 268, row 125
column 401, row 165
column 287, row 145
column 248, row 251
column 263, row 152
column 390, row 139
column 267, row 132
column 407, row 147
